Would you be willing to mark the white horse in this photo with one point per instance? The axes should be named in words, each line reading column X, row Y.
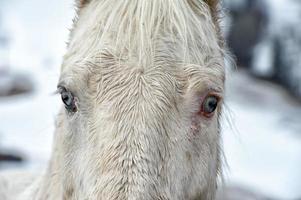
column 142, row 86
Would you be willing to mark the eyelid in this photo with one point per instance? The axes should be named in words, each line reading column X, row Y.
column 212, row 92
column 60, row 89
column 215, row 93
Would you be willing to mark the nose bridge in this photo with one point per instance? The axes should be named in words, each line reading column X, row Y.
column 141, row 111
column 135, row 145
column 134, row 129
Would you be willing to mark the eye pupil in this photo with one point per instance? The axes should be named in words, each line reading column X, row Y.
column 68, row 100
column 209, row 105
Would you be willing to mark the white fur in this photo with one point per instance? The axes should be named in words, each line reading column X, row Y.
column 139, row 69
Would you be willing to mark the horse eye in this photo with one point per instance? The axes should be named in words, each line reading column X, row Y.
column 209, row 105
column 68, row 99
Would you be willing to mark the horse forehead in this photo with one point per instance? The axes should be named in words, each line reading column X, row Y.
column 129, row 78
column 124, row 91
column 107, row 72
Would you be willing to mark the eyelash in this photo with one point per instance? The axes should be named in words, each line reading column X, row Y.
column 68, row 99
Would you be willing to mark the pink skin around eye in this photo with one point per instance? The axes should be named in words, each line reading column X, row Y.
column 200, row 114
column 195, row 125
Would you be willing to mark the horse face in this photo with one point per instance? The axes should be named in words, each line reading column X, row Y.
column 137, row 127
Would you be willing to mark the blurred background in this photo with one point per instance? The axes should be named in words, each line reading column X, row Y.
column 262, row 125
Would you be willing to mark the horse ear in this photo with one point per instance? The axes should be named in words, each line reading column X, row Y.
column 212, row 4
column 82, row 3
column 214, row 8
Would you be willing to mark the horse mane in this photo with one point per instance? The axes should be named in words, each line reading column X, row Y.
column 212, row 3
column 134, row 28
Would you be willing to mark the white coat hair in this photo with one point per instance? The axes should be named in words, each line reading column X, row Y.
column 138, row 72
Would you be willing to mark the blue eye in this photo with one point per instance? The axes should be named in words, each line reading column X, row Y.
column 68, row 99
column 209, row 105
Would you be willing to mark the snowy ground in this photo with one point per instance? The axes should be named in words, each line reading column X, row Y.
column 262, row 145
column 38, row 31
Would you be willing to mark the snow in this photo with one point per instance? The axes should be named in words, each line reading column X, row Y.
column 264, row 152
column 262, row 144
column 37, row 40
